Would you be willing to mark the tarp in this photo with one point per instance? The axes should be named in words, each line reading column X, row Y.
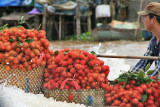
column 44, row 1
column 123, row 25
column 5, row 3
column 66, row 6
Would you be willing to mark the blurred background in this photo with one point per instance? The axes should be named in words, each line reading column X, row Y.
column 90, row 20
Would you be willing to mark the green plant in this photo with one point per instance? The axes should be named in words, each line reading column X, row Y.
column 83, row 37
column 3, row 27
column 20, row 22
column 86, row 36
column 140, row 76
column 71, row 37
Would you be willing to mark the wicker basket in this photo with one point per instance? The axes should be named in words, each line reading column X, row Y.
column 30, row 81
column 87, row 97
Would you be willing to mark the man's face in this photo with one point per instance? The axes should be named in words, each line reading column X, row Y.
column 147, row 22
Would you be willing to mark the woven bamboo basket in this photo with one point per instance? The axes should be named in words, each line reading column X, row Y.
column 89, row 97
column 30, row 81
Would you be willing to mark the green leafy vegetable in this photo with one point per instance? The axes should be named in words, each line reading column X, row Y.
column 56, row 52
column 29, row 40
column 140, row 77
column 21, row 20
column 66, row 52
column 94, row 53
column 3, row 27
column 11, row 39
column 150, row 72
column 141, row 70
column 125, row 83
column 144, row 97
column 17, row 37
column 147, row 67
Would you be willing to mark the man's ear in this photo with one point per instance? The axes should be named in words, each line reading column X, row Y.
column 154, row 19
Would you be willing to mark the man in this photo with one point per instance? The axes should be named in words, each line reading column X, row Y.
column 151, row 20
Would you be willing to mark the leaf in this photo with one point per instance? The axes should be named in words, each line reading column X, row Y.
column 17, row 37
column 144, row 96
column 26, row 36
column 22, row 20
column 21, row 44
column 29, row 40
column 148, row 80
column 66, row 52
column 147, row 67
column 88, row 33
column 56, row 52
column 113, row 82
column 150, row 72
column 3, row 27
column 94, row 53
column 18, row 19
column 11, row 39
column 124, row 75
column 121, row 79
column 141, row 70
column 19, row 26
column 133, row 76
column 125, row 83
column 138, row 83
column 22, row 17
column 141, row 74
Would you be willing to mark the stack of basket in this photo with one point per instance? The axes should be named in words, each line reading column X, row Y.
column 22, row 57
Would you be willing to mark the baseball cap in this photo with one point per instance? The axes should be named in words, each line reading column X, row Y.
column 153, row 7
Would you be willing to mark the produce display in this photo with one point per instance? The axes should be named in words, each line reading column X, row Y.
column 85, row 68
column 22, row 48
column 134, row 90
column 26, row 49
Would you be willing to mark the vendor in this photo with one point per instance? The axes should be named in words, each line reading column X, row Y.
column 151, row 20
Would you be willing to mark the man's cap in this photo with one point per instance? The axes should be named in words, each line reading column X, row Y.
column 153, row 7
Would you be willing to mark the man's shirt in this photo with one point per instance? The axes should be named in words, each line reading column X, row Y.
column 152, row 50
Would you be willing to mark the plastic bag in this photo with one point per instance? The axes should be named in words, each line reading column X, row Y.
column 103, row 11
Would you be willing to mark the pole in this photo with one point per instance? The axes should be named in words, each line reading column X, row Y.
column 60, row 27
column 44, row 18
column 78, row 23
column 135, row 34
column 146, row 3
column 89, row 22
column 130, row 57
